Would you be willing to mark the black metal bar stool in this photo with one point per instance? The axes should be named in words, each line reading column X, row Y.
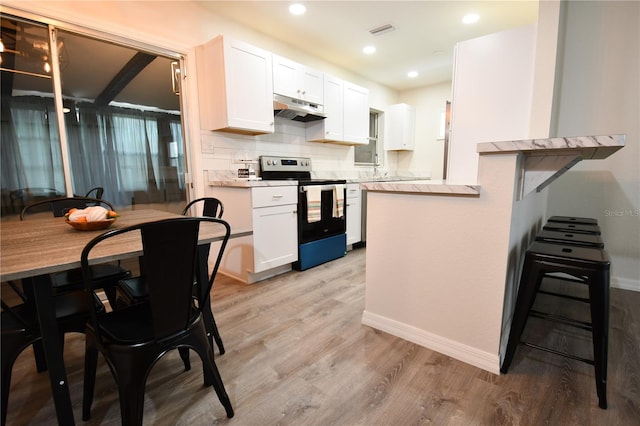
column 574, row 220
column 570, row 227
column 580, row 240
column 587, row 265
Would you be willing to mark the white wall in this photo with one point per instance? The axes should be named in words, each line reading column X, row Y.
column 492, row 94
column 428, row 154
column 452, row 254
column 599, row 93
column 180, row 26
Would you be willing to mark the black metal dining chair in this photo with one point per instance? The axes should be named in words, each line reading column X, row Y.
column 134, row 337
column 19, row 198
column 211, row 207
column 20, row 330
column 59, row 206
column 95, row 192
column 106, row 275
column 134, row 290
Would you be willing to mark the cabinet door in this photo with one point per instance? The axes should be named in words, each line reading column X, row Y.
column 235, row 86
column 285, row 77
column 312, row 85
column 275, row 237
column 297, row 81
column 356, row 114
column 354, row 214
column 250, row 87
column 400, row 127
column 333, row 108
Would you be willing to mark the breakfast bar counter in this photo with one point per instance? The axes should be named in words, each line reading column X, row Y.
column 443, row 258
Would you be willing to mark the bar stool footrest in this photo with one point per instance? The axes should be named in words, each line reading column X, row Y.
column 555, row 352
column 562, row 320
column 568, row 279
column 565, row 296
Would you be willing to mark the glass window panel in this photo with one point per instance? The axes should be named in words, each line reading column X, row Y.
column 366, row 154
column 123, row 123
column 31, row 162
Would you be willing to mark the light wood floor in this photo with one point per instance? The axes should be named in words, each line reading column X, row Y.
column 297, row 354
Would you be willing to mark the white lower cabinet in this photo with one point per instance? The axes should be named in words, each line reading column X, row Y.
column 354, row 213
column 271, row 212
column 275, row 237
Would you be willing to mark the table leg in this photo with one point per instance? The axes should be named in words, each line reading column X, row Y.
column 52, row 349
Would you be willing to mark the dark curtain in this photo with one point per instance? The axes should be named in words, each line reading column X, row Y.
column 123, row 150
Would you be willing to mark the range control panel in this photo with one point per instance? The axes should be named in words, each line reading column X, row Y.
column 285, row 164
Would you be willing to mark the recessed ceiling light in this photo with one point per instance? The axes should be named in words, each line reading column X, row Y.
column 470, row 18
column 369, row 50
column 412, row 74
column 297, row 9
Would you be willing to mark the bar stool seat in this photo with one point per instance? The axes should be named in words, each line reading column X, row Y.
column 589, row 266
column 574, row 220
column 570, row 238
column 570, row 227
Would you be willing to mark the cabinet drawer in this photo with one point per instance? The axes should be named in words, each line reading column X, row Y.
column 274, row 196
column 353, row 190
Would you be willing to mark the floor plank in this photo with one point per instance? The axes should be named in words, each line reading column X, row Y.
column 298, row 354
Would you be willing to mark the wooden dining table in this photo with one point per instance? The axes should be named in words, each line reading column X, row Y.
column 35, row 248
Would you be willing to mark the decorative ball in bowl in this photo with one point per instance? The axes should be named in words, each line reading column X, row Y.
column 90, row 218
column 91, row 226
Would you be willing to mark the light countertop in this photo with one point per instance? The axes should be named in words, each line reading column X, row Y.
column 588, row 147
column 422, row 186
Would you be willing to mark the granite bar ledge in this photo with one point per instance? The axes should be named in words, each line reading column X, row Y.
column 425, row 187
column 587, row 147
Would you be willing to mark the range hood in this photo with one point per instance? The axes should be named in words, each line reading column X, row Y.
column 296, row 109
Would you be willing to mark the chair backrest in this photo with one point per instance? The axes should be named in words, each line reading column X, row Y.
column 95, row 192
column 169, row 259
column 22, row 197
column 59, row 206
column 211, row 207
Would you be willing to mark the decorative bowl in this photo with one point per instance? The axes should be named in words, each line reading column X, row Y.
column 91, row 226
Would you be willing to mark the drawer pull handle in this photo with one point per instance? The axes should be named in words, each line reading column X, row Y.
column 278, row 196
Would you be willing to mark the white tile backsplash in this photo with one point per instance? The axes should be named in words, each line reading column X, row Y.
column 289, row 139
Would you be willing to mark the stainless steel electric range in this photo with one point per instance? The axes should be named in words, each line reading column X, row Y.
column 322, row 213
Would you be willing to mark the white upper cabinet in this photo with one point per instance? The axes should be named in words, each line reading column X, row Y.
column 297, row 81
column 333, row 108
column 400, row 128
column 346, row 107
column 332, row 127
column 356, row 114
column 235, row 84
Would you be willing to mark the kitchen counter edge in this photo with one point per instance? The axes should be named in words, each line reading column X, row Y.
column 252, row 183
column 426, row 187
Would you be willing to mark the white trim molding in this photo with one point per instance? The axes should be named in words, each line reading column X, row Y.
column 625, row 283
column 484, row 360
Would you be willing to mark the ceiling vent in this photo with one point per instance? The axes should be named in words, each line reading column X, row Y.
column 382, row 29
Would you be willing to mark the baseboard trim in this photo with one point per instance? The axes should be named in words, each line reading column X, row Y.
column 484, row 360
column 625, row 283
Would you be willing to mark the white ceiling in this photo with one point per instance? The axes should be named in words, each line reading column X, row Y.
column 424, row 38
